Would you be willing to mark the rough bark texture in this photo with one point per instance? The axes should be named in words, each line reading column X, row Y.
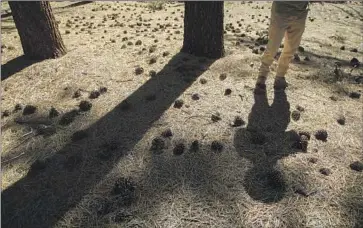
column 203, row 29
column 37, row 29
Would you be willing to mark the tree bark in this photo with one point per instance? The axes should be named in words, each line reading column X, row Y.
column 38, row 30
column 203, row 29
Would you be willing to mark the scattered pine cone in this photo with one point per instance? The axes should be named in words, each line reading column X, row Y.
column 307, row 58
column 203, row 81
column 216, row 117
column 152, row 60
column 85, row 106
column 195, row 146
column 357, row 166
column 139, row 70
column 18, row 107
column 178, row 103
column 94, row 94
column 77, row 94
column 325, row 171
column 167, row 133
column 157, row 145
column 103, row 89
column 29, row 109
column 179, row 149
column 227, row 92
column 195, row 96
column 68, row 117
column 125, row 188
column 53, row 112
column 296, row 57
column 79, row 135
column 5, row 113
column 341, row 120
column 238, row 121
column 354, row 62
column 295, row 115
column 152, row 73
column 354, row 95
column 321, row 135
column 313, row 160
column 306, row 133
column 223, row 76
column 125, row 105
column 301, row 191
column 300, row 108
column 217, row 146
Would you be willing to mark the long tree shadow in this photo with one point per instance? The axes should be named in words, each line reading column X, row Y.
column 342, row 62
column 54, row 186
column 353, row 201
column 352, row 197
column 15, row 65
column 264, row 141
column 358, row 14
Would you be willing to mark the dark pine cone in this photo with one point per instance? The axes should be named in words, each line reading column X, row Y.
column 321, row 135
column 306, row 133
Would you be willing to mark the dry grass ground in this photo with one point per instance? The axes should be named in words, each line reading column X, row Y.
column 111, row 177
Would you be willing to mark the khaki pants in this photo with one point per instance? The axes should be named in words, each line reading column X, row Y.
column 292, row 27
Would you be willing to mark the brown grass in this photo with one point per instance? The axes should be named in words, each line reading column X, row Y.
column 196, row 189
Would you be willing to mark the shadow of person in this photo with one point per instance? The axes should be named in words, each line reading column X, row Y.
column 265, row 141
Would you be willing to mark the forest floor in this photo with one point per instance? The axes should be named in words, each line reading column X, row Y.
column 143, row 135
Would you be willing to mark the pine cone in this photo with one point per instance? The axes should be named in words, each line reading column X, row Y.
column 321, row 135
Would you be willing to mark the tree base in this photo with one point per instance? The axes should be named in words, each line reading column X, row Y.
column 203, row 29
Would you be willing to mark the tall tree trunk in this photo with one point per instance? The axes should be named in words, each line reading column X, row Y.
column 37, row 29
column 203, row 29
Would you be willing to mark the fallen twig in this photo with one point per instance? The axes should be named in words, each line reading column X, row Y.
column 13, row 158
column 195, row 116
column 128, row 80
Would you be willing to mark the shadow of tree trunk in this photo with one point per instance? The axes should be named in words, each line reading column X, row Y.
column 14, row 66
column 57, row 184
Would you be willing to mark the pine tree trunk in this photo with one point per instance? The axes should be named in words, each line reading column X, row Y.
column 38, row 30
column 203, row 29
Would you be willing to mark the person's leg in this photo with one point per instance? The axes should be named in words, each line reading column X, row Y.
column 276, row 33
column 292, row 41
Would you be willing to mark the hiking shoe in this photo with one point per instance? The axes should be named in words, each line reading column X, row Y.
column 280, row 83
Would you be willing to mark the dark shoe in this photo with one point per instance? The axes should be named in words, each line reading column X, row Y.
column 280, row 83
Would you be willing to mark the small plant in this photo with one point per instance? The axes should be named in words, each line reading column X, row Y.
column 157, row 5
